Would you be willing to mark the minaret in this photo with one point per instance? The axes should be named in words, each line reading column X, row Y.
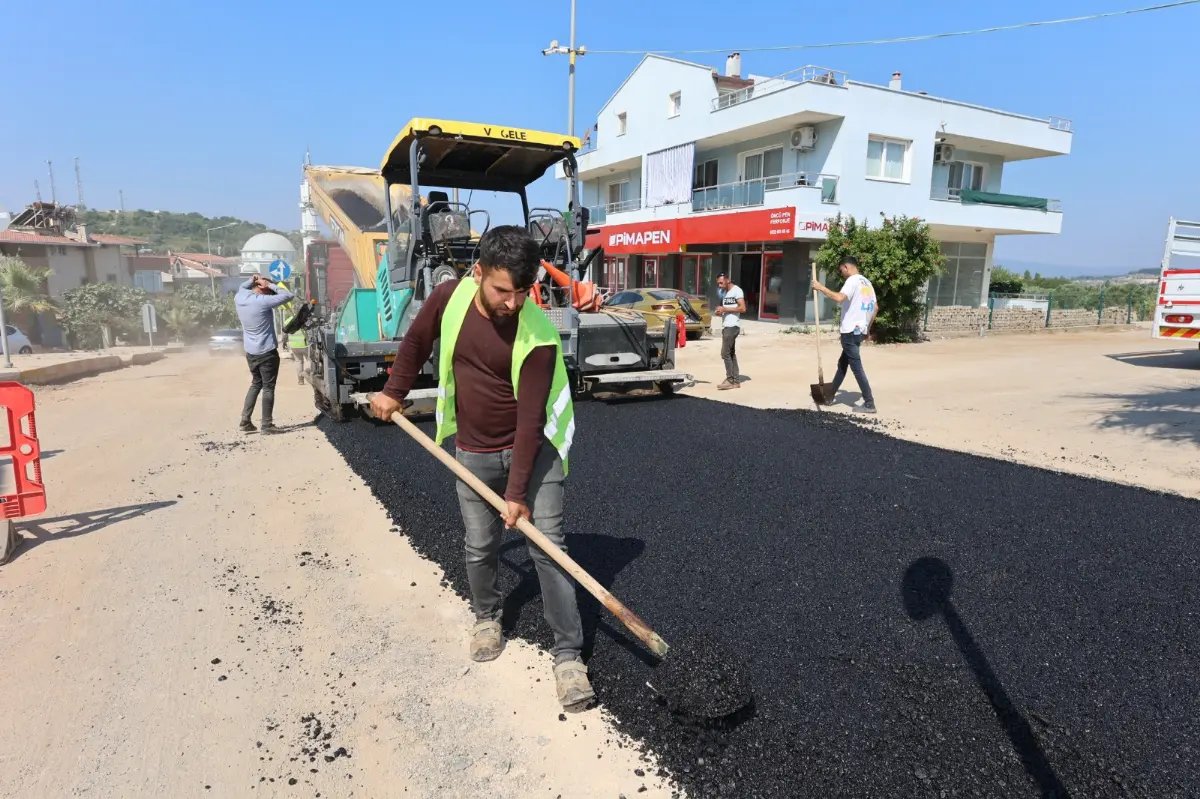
column 309, row 230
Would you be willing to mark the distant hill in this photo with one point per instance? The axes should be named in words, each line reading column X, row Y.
column 166, row 230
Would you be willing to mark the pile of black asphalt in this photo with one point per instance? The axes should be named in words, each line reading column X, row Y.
column 910, row 621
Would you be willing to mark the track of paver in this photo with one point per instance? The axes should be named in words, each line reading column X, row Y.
column 913, row 621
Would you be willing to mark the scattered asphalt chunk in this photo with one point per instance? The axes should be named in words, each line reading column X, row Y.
column 987, row 630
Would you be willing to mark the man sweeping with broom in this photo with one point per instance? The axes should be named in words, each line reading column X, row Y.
column 505, row 396
column 859, row 308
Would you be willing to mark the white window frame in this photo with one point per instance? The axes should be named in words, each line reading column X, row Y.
column 674, row 104
column 608, row 204
column 701, row 165
column 906, row 176
column 955, row 191
column 763, row 152
column 622, row 123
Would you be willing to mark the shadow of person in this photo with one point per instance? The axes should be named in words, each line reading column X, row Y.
column 601, row 556
column 925, row 591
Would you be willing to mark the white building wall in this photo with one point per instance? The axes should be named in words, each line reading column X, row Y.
column 68, row 268
column 110, row 266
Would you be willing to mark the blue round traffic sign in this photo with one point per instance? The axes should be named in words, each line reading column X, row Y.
column 280, row 270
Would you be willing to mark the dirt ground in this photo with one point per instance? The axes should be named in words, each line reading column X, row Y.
column 1111, row 403
column 187, row 620
column 173, row 542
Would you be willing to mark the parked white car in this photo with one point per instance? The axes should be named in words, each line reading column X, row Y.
column 17, row 341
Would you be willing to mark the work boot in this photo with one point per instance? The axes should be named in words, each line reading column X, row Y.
column 247, row 426
column 574, row 690
column 269, row 428
column 487, row 642
column 728, row 384
column 868, row 407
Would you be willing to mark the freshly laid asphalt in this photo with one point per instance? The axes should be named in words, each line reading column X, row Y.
column 913, row 622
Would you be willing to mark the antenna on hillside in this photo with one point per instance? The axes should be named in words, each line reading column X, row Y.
column 79, row 186
column 53, row 193
column 37, row 191
column 121, row 193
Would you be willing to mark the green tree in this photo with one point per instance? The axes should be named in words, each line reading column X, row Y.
column 24, row 286
column 90, row 307
column 899, row 258
column 181, row 321
column 209, row 311
column 1005, row 281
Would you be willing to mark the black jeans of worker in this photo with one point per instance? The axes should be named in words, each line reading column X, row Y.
column 264, row 369
column 851, row 343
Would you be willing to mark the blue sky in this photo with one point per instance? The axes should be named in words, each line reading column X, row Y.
column 210, row 108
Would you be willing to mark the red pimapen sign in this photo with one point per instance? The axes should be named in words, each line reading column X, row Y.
column 767, row 224
column 642, row 237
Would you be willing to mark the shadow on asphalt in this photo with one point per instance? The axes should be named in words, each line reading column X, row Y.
column 601, row 556
column 1161, row 359
column 925, row 591
column 59, row 528
column 1169, row 414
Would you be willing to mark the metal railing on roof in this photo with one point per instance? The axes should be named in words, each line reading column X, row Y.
column 753, row 192
column 1060, row 123
column 805, row 74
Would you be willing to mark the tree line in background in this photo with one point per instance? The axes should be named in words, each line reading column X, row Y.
column 86, row 311
column 1075, row 292
column 166, row 230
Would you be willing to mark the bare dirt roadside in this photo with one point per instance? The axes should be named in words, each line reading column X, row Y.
column 1112, row 403
column 189, row 620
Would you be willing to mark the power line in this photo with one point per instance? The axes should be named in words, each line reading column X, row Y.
column 902, row 39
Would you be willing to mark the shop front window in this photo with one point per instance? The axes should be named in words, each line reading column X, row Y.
column 772, row 285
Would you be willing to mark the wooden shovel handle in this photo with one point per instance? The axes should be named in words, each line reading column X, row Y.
column 817, row 323
column 627, row 616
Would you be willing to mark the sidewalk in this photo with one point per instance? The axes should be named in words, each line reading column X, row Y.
column 59, row 367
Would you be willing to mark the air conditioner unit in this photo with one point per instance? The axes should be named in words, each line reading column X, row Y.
column 943, row 153
column 804, row 138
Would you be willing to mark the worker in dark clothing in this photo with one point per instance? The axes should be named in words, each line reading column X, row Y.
column 494, row 348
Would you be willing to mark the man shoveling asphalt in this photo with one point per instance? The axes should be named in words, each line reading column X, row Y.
column 859, row 308
column 494, row 345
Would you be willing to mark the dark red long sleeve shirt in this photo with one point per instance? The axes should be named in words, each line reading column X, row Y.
column 490, row 418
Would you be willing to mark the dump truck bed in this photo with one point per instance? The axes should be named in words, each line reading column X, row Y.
column 350, row 200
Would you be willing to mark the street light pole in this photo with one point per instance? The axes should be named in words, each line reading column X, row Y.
column 212, row 279
column 571, row 51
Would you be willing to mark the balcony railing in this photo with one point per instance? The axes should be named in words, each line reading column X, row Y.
column 753, row 192
column 597, row 214
column 946, row 194
column 805, row 74
column 1060, row 123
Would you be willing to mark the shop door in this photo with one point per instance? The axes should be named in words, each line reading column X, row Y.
column 751, row 282
column 772, row 285
column 649, row 273
column 614, row 273
column 697, row 275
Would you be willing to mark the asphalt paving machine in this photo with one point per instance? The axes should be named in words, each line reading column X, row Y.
column 404, row 244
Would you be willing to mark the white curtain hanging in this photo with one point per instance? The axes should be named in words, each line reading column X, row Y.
column 669, row 175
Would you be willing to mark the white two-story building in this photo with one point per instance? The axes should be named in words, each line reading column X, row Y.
column 690, row 172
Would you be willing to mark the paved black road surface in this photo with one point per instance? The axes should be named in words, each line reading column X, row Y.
column 914, row 622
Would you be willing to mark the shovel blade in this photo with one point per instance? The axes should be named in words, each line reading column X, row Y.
column 822, row 393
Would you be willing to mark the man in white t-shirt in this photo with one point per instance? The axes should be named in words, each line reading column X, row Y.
column 859, row 307
column 733, row 305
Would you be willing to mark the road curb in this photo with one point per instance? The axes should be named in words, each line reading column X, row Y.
column 66, row 371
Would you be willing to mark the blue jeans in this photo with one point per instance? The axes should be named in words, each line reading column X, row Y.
column 851, row 342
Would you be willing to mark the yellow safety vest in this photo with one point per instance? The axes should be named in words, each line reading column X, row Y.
column 534, row 329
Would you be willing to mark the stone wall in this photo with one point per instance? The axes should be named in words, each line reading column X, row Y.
column 957, row 317
column 1018, row 319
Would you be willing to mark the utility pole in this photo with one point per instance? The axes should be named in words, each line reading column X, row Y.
column 121, row 193
column 53, row 193
column 572, row 51
column 37, row 191
column 79, row 186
